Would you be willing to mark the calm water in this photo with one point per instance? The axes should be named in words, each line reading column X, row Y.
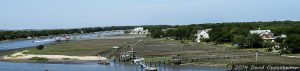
column 14, row 44
column 8, row 66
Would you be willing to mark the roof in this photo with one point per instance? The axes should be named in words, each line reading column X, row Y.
column 199, row 31
column 116, row 47
column 138, row 29
column 265, row 34
column 259, row 31
column 205, row 30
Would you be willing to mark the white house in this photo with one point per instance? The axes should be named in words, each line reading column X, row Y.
column 139, row 30
column 202, row 34
column 264, row 34
column 281, row 36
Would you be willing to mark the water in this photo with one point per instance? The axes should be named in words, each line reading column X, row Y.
column 8, row 66
column 15, row 44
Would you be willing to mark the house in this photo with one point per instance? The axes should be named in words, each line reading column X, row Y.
column 117, row 32
column 202, row 34
column 139, row 30
column 264, row 34
column 281, row 36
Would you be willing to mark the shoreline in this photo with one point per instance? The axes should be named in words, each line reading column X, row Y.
column 41, row 37
column 22, row 56
column 51, row 59
column 58, row 58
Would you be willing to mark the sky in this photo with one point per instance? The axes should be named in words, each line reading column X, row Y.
column 58, row 14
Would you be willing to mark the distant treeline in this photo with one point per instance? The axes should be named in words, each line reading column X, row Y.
column 232, row 32
column 14, row 34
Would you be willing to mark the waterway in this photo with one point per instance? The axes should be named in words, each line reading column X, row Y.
column 15, row 44
column 11, row 66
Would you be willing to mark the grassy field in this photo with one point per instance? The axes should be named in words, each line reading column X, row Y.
column 79, row 48
column 162, row 49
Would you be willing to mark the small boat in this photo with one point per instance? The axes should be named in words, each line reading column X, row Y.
column 150, row 69
column 104, row 62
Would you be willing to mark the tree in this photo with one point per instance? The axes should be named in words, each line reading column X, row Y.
column 184, row 33
column 239, row 31
column 219, row 35
column 254, row 41
column 156, row 32
column 170, row 32
column 279, row 40
column 292, row 42
column 14, row 34
column 240, row 39
column 268, row 44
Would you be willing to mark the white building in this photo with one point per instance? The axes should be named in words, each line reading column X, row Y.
column 139, row 30
column 118, row 32
column 202, row 34
column 281, row 36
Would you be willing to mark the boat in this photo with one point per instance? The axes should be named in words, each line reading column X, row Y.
column 150, row 69
column 104, row 62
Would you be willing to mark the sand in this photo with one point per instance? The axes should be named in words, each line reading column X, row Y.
column 21, row 56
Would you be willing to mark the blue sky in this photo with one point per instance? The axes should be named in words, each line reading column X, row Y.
column 54, row 14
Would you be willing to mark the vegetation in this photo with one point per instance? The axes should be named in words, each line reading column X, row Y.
column 254, row 40
column 40, row 47
column 15, row 34
column 155, row 50
column 239, row 39
column 268, row 45
column 292, row 41
column 220, row 36
column 38, row 59
column 81, row 48
column 158, row 50
column 235, row 32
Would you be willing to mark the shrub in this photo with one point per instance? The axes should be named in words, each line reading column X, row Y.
column 285, row 51
column 268, row 49
column 268, row 44
column 38, row 59
column 205, row 40
column 184, row 42
column 40, row 47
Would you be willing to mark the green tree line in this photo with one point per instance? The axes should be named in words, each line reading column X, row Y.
column 233, row 32
column 15, row 34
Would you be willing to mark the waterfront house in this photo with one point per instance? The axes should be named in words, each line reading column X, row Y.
column 139, row 30
column 264, row 34
column 202, row 34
